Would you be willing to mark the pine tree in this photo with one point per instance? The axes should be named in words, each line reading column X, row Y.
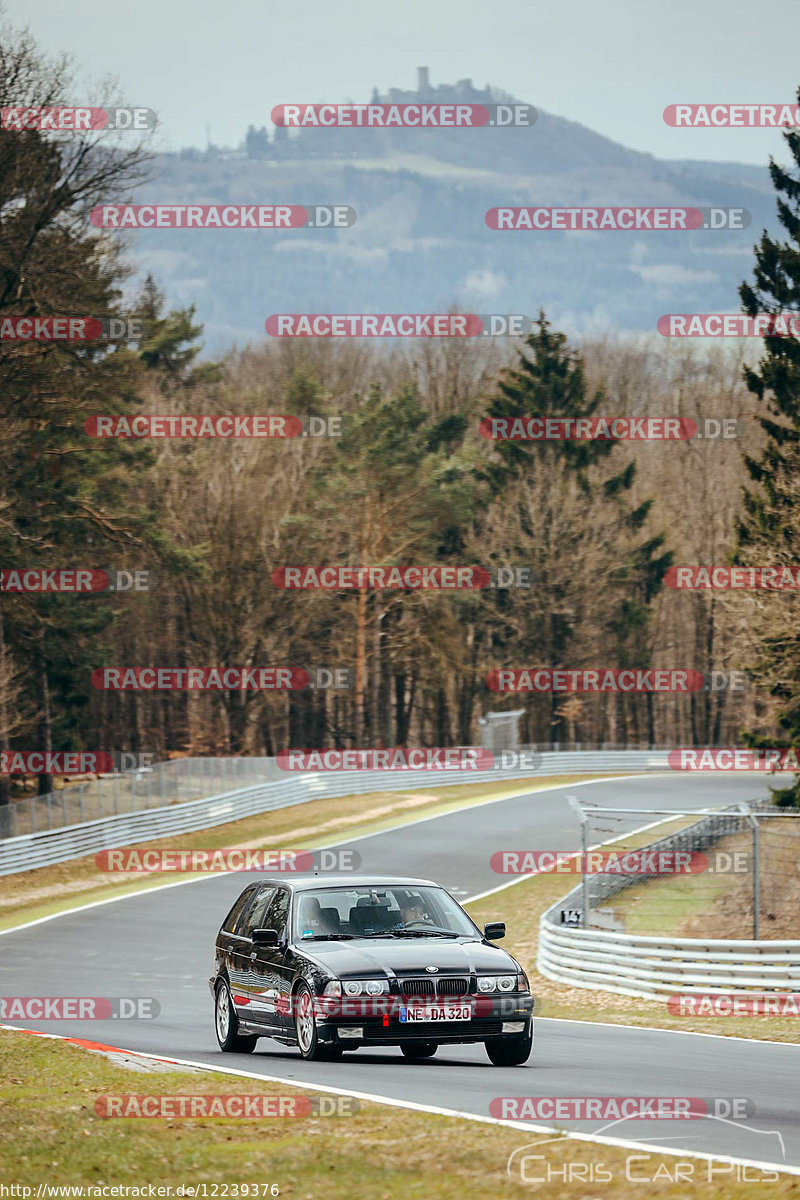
column 549, row 381
column 65, row 500
column 769, row 528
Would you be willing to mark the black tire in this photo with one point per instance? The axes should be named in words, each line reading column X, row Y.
column 510, row 1052
column 305, row 1025
column 419, row 1049
column 226, row 1024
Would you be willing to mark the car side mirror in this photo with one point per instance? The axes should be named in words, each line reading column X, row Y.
column 265, row 937
column 494, row 931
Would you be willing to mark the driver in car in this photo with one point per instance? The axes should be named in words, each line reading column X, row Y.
column 411, row 911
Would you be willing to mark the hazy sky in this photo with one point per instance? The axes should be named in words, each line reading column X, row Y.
column 611, row 64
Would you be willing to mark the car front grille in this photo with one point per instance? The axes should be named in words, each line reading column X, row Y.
column 417, row 987
column 452, row 986
column 448, row 985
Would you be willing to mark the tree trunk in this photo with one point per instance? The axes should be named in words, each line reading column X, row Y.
column 361, row 658
column 45, row 732
column 709, row 657
column 5, row 782
column 442, row 719
column 651, row 722
column 377, row 657
column 466, row 700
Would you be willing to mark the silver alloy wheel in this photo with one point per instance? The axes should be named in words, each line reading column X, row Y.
column 305, row 1021
column 223, row 1012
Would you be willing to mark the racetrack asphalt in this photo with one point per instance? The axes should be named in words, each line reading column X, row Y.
column 160, row 944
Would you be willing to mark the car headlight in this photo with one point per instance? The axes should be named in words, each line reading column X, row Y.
column 524, row 986
column 356, row 987
column 497, row 983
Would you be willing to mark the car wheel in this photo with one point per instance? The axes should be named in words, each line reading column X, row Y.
column 305, row 1024
column 419, row 1049
column 510, row 1052
column 226, row 1024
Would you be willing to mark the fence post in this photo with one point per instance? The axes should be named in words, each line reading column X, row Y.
column 745, row 808
column 756, row 881
column 584, row 820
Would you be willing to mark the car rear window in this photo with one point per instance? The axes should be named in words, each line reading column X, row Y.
column 229, row 924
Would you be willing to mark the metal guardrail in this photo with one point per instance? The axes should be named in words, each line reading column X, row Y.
column 43, row 848
column 654, row 967
column 177, row 781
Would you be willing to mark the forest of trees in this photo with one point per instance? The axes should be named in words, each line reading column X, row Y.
column 410, row 481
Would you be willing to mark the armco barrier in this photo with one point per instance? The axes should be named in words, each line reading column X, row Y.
column 44, row 848
column 656, row 967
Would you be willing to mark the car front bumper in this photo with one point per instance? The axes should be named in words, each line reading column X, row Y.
column 490, row 1018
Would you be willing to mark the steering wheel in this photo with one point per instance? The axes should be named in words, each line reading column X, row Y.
column 417, row 921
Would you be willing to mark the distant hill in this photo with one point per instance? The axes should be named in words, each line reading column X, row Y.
column 420, row 242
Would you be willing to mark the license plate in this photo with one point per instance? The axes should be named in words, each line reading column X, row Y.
column 437, row 1012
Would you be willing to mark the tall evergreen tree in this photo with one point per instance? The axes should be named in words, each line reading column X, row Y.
column 549, row 381
column 65, row 500
column 769, row 528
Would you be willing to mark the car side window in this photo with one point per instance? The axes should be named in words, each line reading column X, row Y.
column 229, row 924
column 253, row 918
column 277, row 914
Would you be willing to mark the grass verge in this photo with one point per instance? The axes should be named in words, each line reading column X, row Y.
column 51, row 1135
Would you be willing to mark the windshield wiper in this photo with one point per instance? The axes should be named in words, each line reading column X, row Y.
column 411, row 933
column 436, row 932
column 328, row 937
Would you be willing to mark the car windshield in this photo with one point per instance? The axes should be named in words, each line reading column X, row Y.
column 399, row 910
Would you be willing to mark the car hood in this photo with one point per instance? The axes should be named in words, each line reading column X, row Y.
column 382, row 956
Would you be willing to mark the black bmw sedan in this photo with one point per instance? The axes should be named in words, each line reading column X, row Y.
column 328, row 966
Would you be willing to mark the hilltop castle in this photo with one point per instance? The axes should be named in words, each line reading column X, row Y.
column 443, row 93
column 342, row 143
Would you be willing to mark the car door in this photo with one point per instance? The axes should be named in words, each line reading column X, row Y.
column 272, row 976
column 242, row 954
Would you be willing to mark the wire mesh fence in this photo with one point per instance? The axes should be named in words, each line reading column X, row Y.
column 155, row 786
column 730, row 874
